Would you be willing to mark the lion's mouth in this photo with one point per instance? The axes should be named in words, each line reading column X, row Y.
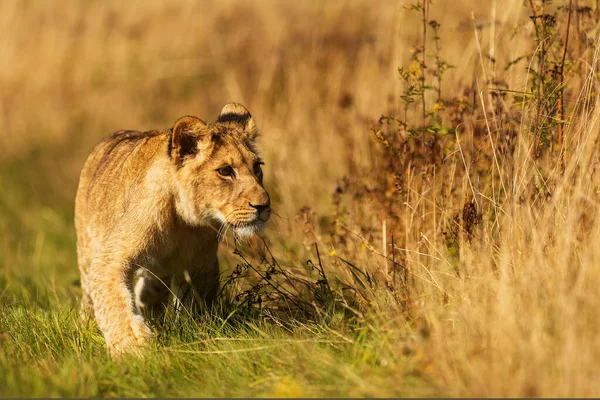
column 246, row 229
column 243, row 229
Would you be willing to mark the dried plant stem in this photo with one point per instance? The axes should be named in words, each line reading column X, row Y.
column 561, row 76
column 492, row 50
column 578, row 37
column 438, row 57
column 541, row 38
column 405, row 143
column 425, row 11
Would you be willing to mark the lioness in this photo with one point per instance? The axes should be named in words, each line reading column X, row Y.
column 152, row 204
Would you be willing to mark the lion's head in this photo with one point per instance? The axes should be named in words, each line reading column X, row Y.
column 218, row 171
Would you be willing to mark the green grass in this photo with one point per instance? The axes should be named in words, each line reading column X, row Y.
column 46, row 351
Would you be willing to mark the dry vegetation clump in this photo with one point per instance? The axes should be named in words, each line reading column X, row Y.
column 434, row 174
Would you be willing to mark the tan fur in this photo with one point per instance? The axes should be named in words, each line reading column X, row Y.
column 152, row 205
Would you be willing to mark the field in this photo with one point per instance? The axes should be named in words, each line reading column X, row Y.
column 435, row 229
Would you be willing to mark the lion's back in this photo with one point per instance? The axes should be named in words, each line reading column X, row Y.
column 112, row 177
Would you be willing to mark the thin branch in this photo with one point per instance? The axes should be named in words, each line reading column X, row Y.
column 561, row 76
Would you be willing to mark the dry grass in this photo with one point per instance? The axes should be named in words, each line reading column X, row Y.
column 506, row 307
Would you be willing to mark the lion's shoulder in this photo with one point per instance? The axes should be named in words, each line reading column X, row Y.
column 116, row 167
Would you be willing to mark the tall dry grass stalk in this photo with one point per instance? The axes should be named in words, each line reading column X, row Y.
column 516, row 314
column 521, row 321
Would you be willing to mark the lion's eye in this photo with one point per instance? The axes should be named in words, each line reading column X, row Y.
column 226, row 171
column 257, row 168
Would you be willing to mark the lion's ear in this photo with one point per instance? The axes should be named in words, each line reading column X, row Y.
column 237, row 114
column 189, row 133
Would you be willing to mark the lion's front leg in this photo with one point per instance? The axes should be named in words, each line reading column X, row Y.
column 109, row 285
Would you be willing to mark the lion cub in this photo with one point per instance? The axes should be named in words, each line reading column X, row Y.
column 152, row 205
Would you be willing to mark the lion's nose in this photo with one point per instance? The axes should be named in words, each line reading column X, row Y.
column 261, row 207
